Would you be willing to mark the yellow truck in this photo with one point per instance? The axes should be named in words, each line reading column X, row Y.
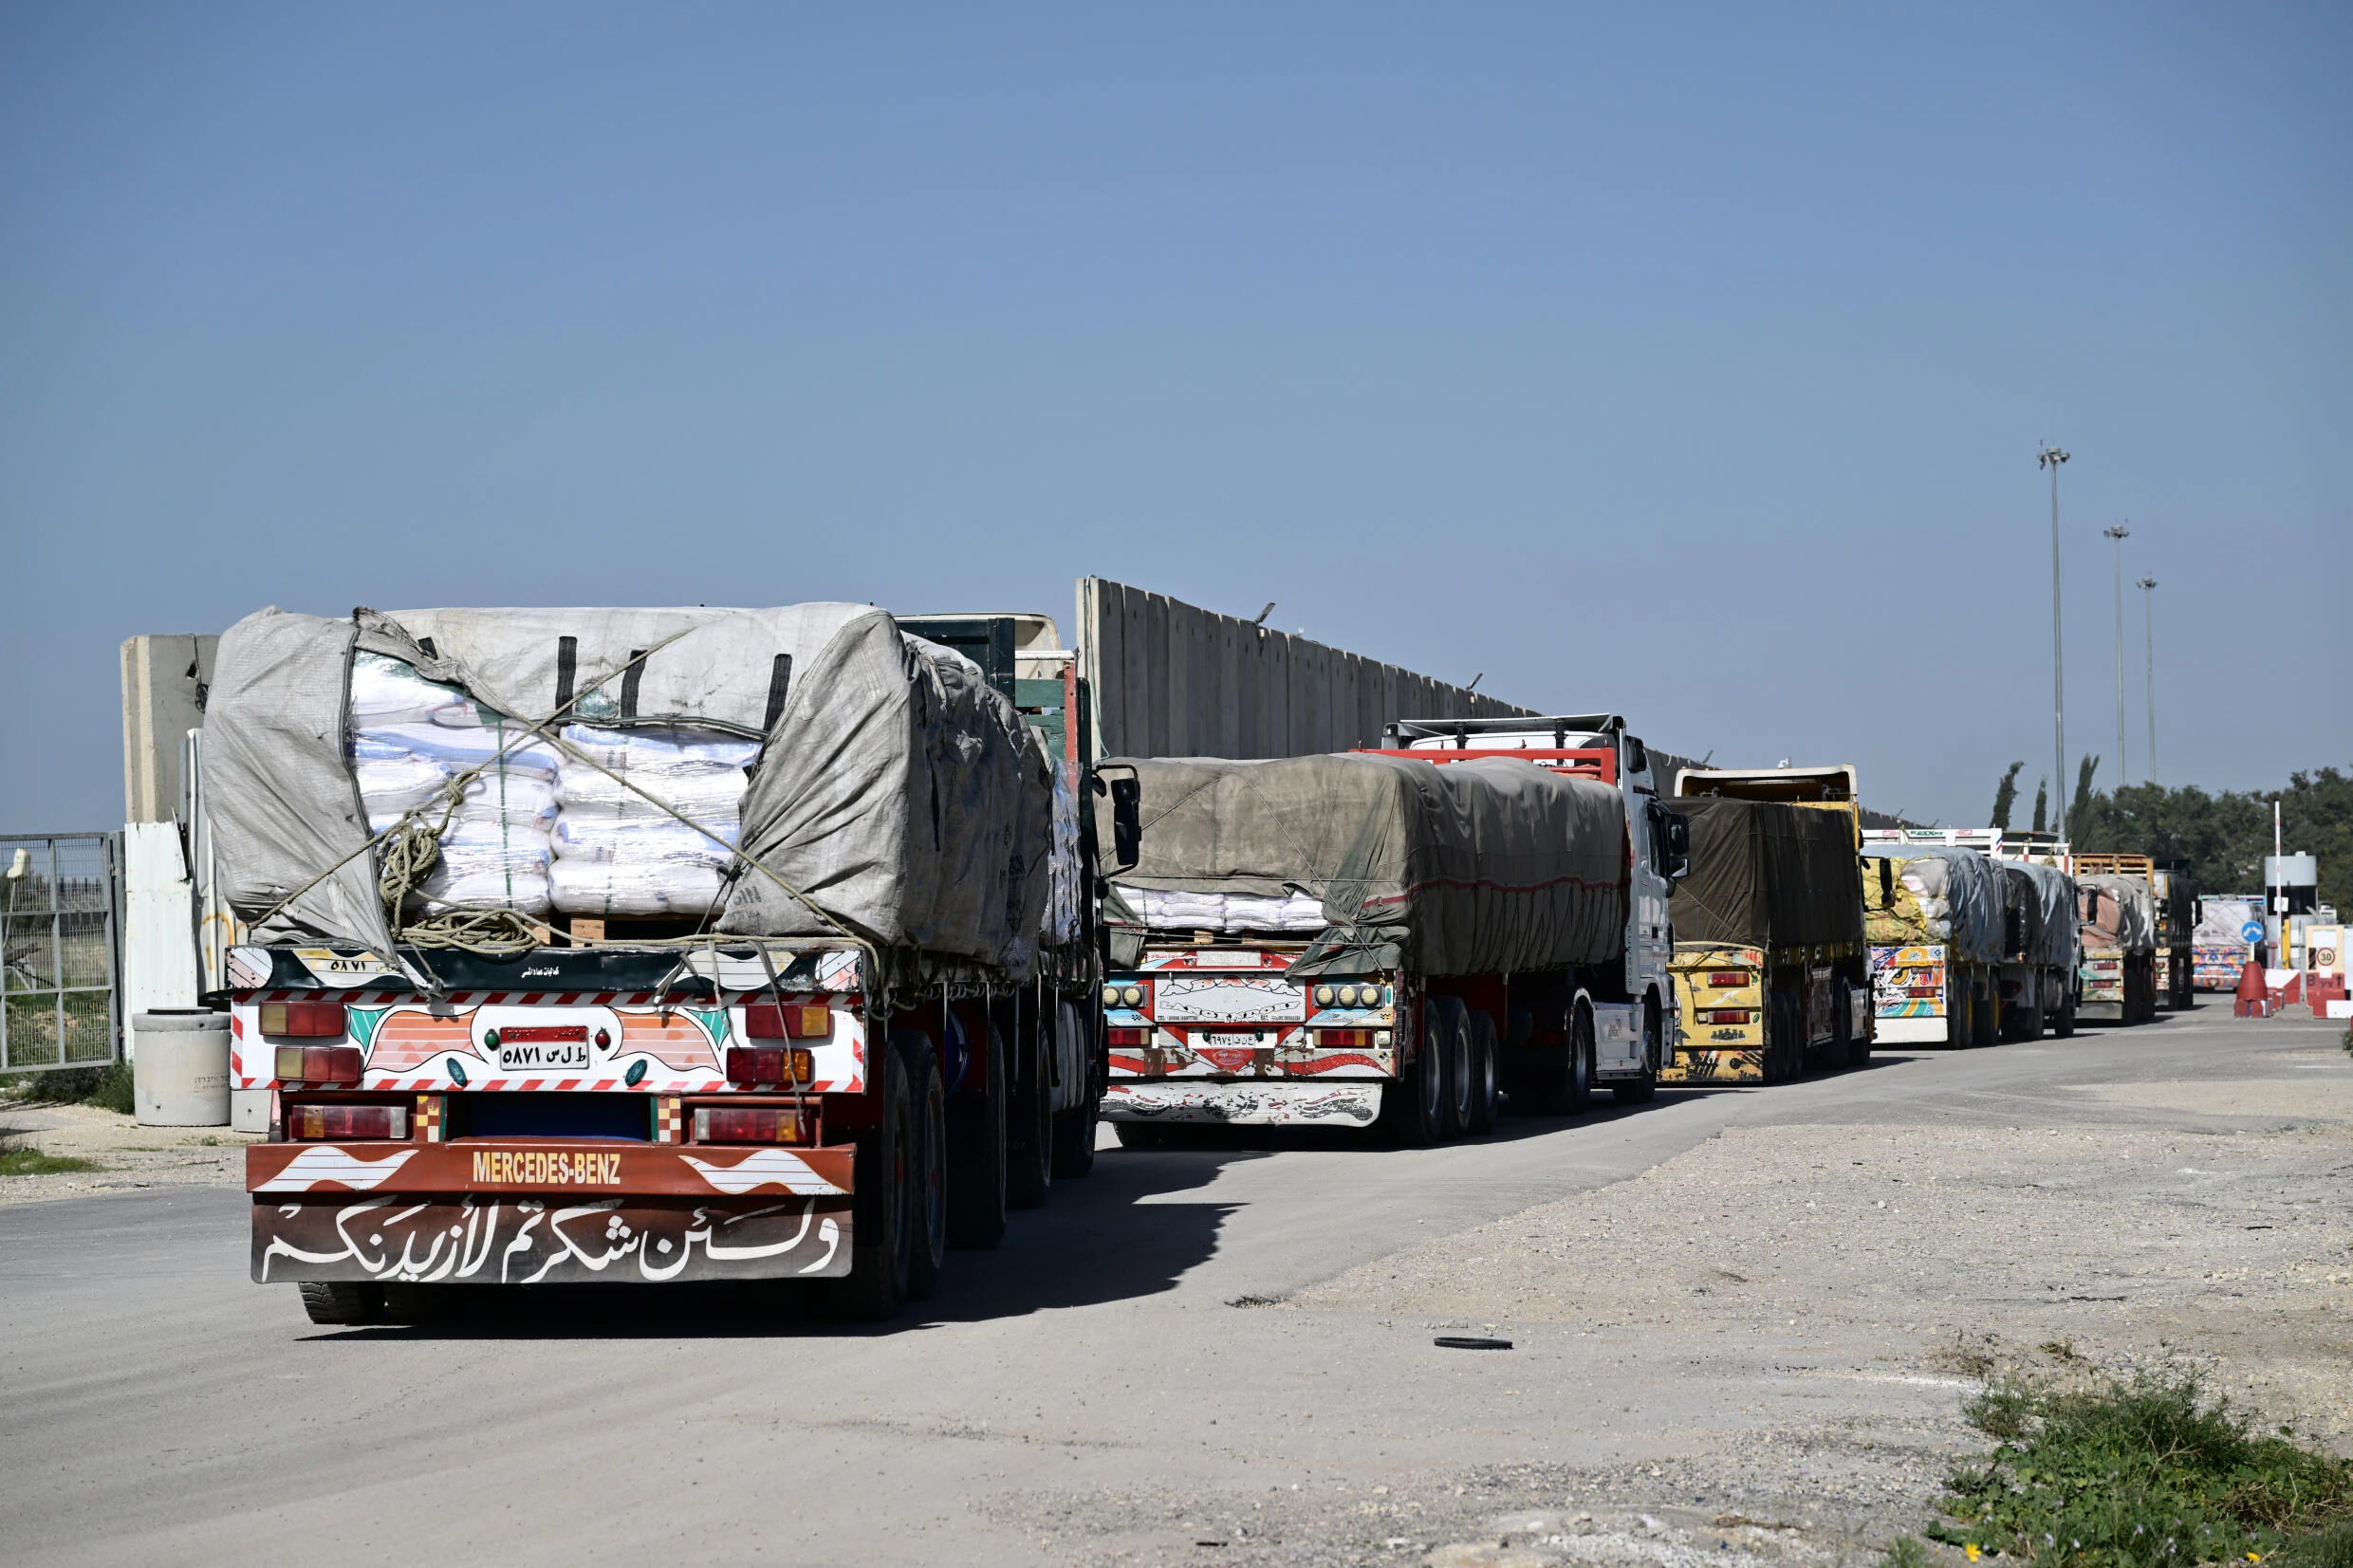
column 1770, row 963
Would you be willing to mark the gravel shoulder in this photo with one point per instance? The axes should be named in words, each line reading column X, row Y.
column 131, row 1157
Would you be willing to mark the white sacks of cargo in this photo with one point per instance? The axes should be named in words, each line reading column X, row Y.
column 875, row 784
column 618, row 851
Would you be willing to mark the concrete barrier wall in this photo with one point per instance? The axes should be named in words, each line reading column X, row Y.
column 1171, row 679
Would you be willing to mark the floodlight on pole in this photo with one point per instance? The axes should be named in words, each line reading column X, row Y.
column 2148, row 682
column 2051, row 457
column 2118, row 532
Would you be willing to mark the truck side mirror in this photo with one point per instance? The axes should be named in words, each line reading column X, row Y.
column 1679, row 846
column 1127, row 830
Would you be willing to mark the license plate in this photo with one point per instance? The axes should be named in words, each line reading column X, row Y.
column 1229, row 1037
column 543, row 1049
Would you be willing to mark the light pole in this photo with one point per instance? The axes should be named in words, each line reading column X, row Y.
column 2148, row 633
column 2051, row 457
column 2120, row 534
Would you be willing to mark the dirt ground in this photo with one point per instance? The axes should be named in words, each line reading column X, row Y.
column 1907, row 1254
column 130, row 1156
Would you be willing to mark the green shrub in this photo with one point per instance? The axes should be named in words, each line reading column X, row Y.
column 2148, row 1474
column 112, row 1089
column 32, row 1162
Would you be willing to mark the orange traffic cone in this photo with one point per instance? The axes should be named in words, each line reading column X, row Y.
column 2254, row 996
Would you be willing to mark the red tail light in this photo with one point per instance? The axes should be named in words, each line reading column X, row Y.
column 1727, row 978
column 1724, row 1015
column 770, row 1064
column 745, row 1124
column 1127, row 1037
column 1351, row 1040
column 307, row 1123
column 319, row 1063
column 303, row 1020
column 792, row 1021
column 1923, row 990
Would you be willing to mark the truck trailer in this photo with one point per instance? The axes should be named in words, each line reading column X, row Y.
column 1769, row 958
column 1936, row 915
column 2118, row 908
column 641, row 946
column 1403, row 935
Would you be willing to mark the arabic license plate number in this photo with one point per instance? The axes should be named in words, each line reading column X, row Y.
column 1227, row 1037
column 542, row 1056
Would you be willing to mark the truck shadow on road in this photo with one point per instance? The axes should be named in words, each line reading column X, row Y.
column 1114, row 1236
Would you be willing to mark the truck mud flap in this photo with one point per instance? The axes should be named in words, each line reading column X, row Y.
column 500, row 1239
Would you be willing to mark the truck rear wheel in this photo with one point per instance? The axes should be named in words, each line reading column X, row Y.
column 927, row 1146
column 1988, row 1015
column 2063, row 1025
column 883, row 1232
column 977, row 1168
column 1785, row 1054
column 1841, row 1025
column 1074, row 1143
column 1029, row 1131
column 1417, row 1100
column 1582, row 1052
column 1486, row 1067
column 342, row 1300
column 1643, row 1090
column 1455, row 1054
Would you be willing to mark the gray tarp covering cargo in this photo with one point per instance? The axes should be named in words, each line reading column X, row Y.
column 2021, row 912
column 2117, row 912
column 1481, row 867
column 1943, row 895
column 2223, row 921
column 895, row 789
column 1766, row 875
column 2054, row 892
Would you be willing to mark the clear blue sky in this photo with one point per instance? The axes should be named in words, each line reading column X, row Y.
column 1689, row 360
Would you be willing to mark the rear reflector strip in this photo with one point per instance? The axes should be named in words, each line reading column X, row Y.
column 1727, row 978
column 303, row 1020
column 309, row 1123
column 1725, row 1015
column 319, row 1063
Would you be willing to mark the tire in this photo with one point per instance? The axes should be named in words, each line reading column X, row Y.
column 1417, row 1101
column 1455, row 1020
column 342, row 1300
column 882, row 1251
column 1030, row 1131
column 1140, row 1135
column 2062, row 1027
column 1074, row 1144
column 1582, row 1055
column 977, row 1157
column 1793, row 1037
column 1987, row 1018
column 927, row 1143
column 1486, row 1075
column 1643, row 1090
column 1842, row 1052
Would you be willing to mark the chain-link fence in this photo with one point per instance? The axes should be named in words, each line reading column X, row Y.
column 61, row 901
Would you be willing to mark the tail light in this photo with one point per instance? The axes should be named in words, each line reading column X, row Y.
column 1334, row 1040
column 309, row 1123
column 1923, row 990
column 791, row 1021
column 1127, row 1037
column 1725, row 1015
column 1727, row 978
column 319, row 1063
column 745, row 1124
column 303, row 1020
column 770, row 1064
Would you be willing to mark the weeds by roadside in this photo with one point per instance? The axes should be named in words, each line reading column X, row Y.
column 108, row 1087
column 2149, row 1473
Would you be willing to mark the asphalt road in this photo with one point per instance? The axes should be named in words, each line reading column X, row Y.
column 160, row 1409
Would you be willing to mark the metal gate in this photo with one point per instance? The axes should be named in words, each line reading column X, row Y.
column 60, row 903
